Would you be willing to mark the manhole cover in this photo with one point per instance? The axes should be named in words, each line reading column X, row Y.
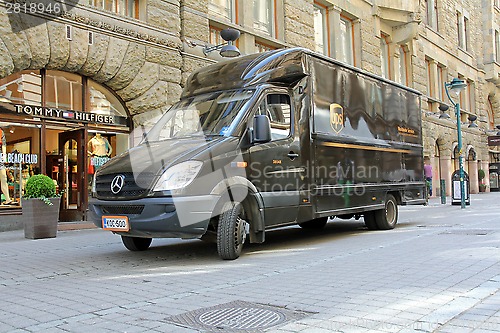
column 237, row 316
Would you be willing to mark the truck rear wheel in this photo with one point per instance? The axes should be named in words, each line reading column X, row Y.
column 136, row 243
column 388, row 217
column 317, row 224
column 231, row 232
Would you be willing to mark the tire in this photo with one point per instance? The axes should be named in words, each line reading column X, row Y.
column 136, row 243
column 370, row 222
column 388, row 217
column 315, row 224
column 231, row 232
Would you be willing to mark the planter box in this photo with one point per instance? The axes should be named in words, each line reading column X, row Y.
column 40, row 219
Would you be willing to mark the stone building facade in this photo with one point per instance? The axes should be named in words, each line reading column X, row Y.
column 139, row 53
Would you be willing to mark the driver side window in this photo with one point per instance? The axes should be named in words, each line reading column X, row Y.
column 277, row 107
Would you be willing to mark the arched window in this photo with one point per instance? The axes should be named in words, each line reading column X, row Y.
column 60, row 90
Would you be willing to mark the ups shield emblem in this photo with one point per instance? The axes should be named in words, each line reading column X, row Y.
column 336, row 117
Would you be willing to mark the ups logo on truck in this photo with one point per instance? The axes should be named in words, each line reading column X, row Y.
column 336, row 117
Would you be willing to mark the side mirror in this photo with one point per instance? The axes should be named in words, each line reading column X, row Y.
column 261, row 129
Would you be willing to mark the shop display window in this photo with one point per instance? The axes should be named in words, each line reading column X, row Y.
column 20, row 159
column 64, row 90
column 60, row 124
column 22, row 88
column 102, row 101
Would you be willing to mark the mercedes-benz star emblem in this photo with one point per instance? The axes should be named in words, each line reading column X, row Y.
column 117, row 183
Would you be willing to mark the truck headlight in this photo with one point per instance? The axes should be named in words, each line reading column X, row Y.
column 178, row 176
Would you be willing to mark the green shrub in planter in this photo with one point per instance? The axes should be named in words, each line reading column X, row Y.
column 40, row 187
column 481, row 174
column 40, row 205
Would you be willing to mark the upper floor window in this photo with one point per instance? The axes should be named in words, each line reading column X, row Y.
column 497, row 45
column 224, row 8
column 384, row 56
column 463, row 31
column 431, row 11
column 123, row 7
column 403, row 65
column 430, row 90
column 264, row 16
column 321, row 29
column 440, row 78
column 261, row 47
column 497, row 3
column 346, row 41
column 215, row 38
column 491, row 115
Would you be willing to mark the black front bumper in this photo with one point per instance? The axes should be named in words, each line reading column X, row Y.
column 172, row 217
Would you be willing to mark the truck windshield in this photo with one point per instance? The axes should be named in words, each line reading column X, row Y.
column 205, row 115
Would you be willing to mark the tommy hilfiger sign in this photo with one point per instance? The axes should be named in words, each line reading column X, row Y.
column 78, row 116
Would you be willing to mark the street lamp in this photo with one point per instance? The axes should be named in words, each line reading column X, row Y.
column 227, row 49
column 455, row 87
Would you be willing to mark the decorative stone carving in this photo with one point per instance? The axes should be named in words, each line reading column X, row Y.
column 96, row 55
column 78, row 50
column 16, row 42
column 153, row 98
column 116, row 54
column 59, row 46
column 38, row 39
column 130, row 67
column 144, row 80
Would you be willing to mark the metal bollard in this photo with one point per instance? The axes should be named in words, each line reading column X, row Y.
column 443, row 192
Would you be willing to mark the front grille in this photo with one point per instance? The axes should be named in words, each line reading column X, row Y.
column 123, row 210
column 134, row 187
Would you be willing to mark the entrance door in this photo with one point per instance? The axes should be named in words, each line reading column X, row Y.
column 71, row 175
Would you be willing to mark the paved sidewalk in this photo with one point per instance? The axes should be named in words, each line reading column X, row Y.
column 438, row 271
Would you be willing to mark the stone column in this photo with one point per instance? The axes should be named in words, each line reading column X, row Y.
column 436, row 181
column 474, row 181
column 486, row 167
column 446, row 171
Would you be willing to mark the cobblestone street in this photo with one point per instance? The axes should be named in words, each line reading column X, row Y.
column 438, row 271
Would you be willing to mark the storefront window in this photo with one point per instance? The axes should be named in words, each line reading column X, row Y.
column 20, row 159
column 63, row 125
column 22, row 88
column 64, row 91
column 103, row 102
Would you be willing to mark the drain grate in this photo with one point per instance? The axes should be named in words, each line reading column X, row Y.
column 237, row 316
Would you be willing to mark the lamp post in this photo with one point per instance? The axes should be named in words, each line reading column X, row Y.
column 455, row 87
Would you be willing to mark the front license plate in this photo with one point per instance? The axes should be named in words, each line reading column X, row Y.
column 115, row 223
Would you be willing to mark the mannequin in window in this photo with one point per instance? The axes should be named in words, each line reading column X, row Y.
column 99, row 150
column 3, row 170
column 99, row 146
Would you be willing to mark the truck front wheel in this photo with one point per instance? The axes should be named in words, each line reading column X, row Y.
column 232, row 231
column 388, row 217
column 136, row 243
